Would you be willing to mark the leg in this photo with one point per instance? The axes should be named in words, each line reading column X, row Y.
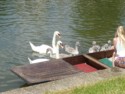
column 113, row 59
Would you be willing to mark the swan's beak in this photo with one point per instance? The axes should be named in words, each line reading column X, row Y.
column 59, row 35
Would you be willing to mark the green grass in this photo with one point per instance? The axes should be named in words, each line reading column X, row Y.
column 111, row 86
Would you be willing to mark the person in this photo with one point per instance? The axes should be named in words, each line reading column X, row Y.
column 119, row 47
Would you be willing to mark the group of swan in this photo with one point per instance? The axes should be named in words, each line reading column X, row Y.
column 53, row 50
column 106, row 46
column 50, row 52
column 97, row 48
column 42, row 49
column 58, row 54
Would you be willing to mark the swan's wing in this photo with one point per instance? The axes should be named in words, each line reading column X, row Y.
column 62, row 55
column 39, row 60
column 97, row 48
column 69, row 49
column 103, row 48
column 91, row 50
column 42, row 48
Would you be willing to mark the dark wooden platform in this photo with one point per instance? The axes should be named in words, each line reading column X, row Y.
column 60, row 68
column 102, row 54
column 40, row 72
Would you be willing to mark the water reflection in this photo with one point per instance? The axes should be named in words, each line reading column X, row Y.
column 96, row 18
column 22, row 21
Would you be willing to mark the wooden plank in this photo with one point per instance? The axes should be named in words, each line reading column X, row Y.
column 85, row 59
column 106, row 61
column 97, row 56
column 59, row 68
column 102, row 54
column 96, row 62
column 44, row 71
column 85, row 67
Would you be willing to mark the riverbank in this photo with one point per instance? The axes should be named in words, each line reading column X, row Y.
column 70, row 82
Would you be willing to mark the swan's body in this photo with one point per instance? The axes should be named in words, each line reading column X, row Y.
column 62, row 55
column 37, row 60
column 106, row 46
column 109, row 44
column 94, row 48
column 57, row 55
column 71, row 50
column 42, row 48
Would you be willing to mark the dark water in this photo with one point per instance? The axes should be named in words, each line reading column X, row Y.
column 22, row 21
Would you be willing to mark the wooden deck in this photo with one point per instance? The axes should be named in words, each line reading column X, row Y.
column 44, row 71
column 60, row 68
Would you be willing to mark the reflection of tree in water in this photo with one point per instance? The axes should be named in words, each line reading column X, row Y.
column 97, row 18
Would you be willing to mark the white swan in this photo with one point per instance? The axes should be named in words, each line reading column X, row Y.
column 72, row 51
column 94, row 48
column 42, row 48
column 57, row 55
column 107, row 46
column 104, row 47
column 58, row 35
column 37, row 60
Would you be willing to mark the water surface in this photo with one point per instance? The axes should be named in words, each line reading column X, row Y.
column 22, row 21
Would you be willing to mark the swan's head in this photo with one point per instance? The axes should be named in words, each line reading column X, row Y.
column 78, row 43
column 109, row 42
column 59, row 43
column 94, row 42
column 57, row 33
column 106, row 46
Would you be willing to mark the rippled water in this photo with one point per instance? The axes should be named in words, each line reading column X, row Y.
column 22, row 21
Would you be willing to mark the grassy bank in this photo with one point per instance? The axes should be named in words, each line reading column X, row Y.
column 111, row 86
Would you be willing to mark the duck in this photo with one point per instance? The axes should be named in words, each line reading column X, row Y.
column 37, row 60
column 71, row 50
column 57, row 55
column 94, row 48
column 42, row 48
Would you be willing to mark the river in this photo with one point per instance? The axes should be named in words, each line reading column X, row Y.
column 22, row 21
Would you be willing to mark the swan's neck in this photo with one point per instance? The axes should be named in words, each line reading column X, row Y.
column 57, row 51
column 76, row 48
column 54, row 41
